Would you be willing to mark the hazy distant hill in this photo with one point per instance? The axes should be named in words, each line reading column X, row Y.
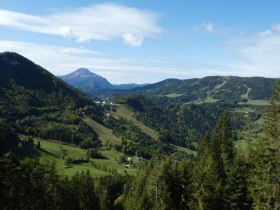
column 89, row 82
column 129, row 86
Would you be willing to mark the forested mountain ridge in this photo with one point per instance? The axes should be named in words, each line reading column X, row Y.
column 34, row 102
column 201, row 90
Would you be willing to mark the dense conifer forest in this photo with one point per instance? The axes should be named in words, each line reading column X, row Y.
column 217, row 175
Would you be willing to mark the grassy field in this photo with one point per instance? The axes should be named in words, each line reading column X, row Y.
column 246, row 95
column 105, row 134
column 174, row 95
column 209, row 99
column 256, row 102
column 52, row 151
column 244, row 109
column 122, row 111
column 259, row 102
column 184, row 149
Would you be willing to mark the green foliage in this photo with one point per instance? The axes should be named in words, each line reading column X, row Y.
column 214, row 162
column 8, row 138
column 38, row 146
column 68, row 160
column 164, row 184
column 112, row 191
column 264, row 178
column 31, row 184
column 133, row 139
column 206, row 179
column 237, row 194
column 94, row 153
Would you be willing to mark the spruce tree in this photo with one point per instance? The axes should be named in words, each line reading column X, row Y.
column 214, row 160
column 265, row 174
column 236, row 189
column 206, row 180
column 223, row 147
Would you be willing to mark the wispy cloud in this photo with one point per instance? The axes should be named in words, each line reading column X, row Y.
column 96, row 22
column 259, row 53
column 60, row 60
column 209, row 27
column 133, row 40
column 265, row 33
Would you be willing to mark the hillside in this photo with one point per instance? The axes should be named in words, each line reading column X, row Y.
column 124, row 112
column 207, row 89
column 34, row 102
column 185, row 124
column 104, row 133
column 108, row 164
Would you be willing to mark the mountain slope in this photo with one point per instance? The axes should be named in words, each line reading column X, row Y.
column 20, row 74
column 212, row 88
column 36, row 103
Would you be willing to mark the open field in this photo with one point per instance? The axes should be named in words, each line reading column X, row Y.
column 52, row 151
column 184, row 149
column 246, row 95
column 124, row 112
column 174, row 95
column 256, row 102
column 105, row 134
column 209, row 99
column 244, row 109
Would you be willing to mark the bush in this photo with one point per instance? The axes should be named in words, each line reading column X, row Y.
column 68, row 161
column 94, row 153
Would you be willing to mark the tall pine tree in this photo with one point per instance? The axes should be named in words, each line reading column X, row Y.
column 265, row 174
column 214, row 160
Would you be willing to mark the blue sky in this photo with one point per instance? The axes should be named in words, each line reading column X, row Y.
column 146, row 40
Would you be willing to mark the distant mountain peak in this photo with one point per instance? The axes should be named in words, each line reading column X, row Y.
column 88, row 81
column 83, row 70
column 84, row 79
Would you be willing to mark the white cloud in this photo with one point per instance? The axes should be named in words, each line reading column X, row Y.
column 132, row 39
column 209, row 27
column 204, row 27
column 265, row 33
column 259, row 55
column 66, row 32
column 60, row 61
column 96, row 22
column 276, row 27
